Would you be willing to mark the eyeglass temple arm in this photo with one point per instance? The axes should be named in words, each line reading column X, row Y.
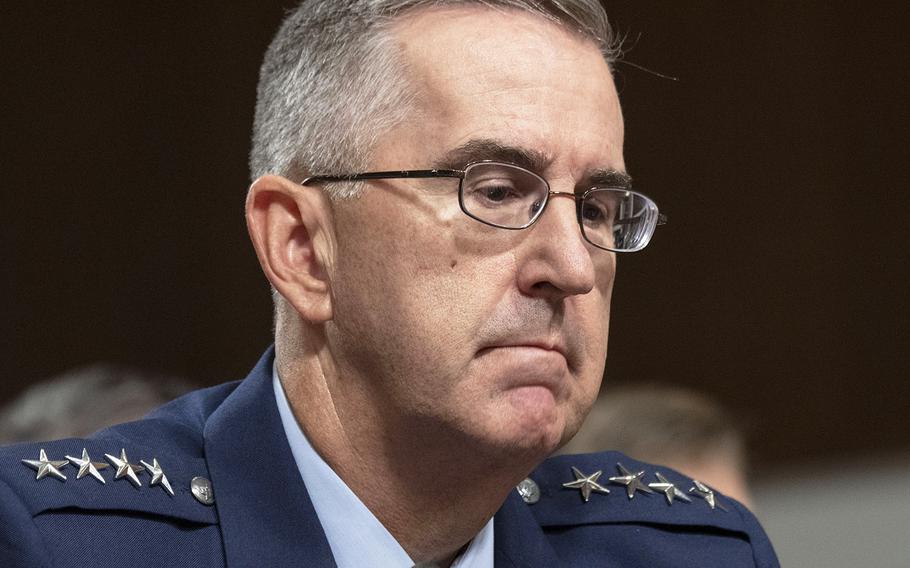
column 398, row 174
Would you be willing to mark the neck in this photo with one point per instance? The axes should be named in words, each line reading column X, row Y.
column 431, row 490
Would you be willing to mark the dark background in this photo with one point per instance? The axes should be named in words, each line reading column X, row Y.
column 779, row 285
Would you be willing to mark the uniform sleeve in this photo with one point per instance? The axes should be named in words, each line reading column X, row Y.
column 20, row 542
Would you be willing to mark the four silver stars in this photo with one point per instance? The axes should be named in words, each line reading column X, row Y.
column 125, row 468
column 46, row 467
column 87, row 466
column 586, row 483
column 158, row 476
column 632, row 481
column 668, row 489
column 707, row 494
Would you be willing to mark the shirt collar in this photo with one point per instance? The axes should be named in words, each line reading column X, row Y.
column 353, row 532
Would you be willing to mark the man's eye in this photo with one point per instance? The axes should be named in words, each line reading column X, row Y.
column 593, row 214
column 496, row 193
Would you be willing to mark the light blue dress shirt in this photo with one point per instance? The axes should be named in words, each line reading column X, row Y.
column 355, row 535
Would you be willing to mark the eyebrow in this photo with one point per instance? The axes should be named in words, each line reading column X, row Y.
column 609, row 178
column 489, row 149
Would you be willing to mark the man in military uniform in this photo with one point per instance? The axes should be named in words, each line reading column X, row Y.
column 438, row 204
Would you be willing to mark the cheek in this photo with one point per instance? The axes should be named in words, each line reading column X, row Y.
column 593, row 315
column 443, row 277
column 417, row 303
column 604, row 290
column 593, row 311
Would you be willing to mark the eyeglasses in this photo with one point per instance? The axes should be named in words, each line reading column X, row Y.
column 511, row 197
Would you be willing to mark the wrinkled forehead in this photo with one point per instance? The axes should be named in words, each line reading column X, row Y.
column 483, row 72
column 455, row 44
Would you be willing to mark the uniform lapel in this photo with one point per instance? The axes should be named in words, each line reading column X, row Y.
column 265, row 512
column 518, row 540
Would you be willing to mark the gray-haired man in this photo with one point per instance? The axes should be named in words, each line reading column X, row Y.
column 439, row 198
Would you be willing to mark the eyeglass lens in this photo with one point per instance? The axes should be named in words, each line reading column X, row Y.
column 511, row 197
column 502, row 195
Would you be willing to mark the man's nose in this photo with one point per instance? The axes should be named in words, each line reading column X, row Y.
column 557, row 260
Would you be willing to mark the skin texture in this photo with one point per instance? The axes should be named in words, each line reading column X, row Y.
column 433, row 361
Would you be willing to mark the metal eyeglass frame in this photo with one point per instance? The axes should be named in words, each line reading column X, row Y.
column 660, row 219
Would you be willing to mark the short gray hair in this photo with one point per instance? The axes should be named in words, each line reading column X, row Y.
column 331, row 83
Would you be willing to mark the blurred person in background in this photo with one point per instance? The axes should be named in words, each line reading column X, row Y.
column 673, row 426
column 83, row 401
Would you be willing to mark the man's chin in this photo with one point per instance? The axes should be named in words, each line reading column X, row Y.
column 530, row 424
column 535, row 402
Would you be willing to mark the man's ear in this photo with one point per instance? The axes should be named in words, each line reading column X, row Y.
column 291, row 229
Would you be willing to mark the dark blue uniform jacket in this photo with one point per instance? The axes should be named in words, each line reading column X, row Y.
column 262, row 515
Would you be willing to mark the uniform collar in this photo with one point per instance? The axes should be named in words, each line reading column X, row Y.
column 265, row 512
column 352, row 530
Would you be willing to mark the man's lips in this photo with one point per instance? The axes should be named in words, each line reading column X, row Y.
column 528, row 364
column 533, row 344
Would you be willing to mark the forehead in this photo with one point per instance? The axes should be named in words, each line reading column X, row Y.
column 512, row 76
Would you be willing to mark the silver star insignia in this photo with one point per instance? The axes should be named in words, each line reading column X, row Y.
column 668, row 489
column 586, row 483
column 125, row 468
column 46, row 467
column 87, row 466
column 632, row 481
column 707, row 494
column 158, row 476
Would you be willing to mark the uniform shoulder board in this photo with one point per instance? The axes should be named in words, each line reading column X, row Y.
column 607, row 505
column 123, row 486
column 105, row 474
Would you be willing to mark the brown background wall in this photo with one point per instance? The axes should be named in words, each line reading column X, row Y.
column 779, row 154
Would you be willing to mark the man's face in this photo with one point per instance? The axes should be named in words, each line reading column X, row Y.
column 454, row 329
